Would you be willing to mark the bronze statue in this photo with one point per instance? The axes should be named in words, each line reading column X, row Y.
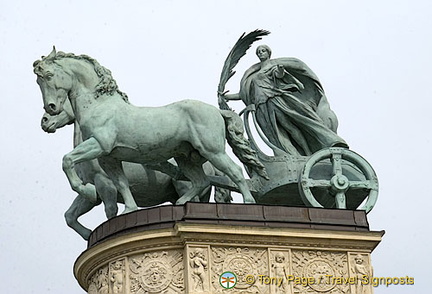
column 113, row 130
column 291, row 107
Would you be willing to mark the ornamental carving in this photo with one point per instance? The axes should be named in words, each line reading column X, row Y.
column 280, row 268
column 117, row 277
column 273, row 270
column 360, row 267
column 323, row 271
column 99, row 282
column 242, row 261
column 198, row 269
column 157, row 272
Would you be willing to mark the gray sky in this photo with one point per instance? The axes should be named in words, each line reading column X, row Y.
column 372, row 57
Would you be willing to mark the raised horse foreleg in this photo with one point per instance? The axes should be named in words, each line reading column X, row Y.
column 81, row 205
column 87, row 150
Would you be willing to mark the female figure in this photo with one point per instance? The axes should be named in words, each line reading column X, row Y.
column 291, row 107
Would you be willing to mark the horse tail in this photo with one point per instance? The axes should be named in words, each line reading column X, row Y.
column 239, row 144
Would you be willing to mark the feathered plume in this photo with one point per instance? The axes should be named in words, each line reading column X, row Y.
column 237, row 52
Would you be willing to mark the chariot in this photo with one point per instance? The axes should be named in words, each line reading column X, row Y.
column 330, row 177
column 334, row 177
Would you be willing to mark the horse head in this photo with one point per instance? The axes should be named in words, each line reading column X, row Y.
column 65, row 75
column 54, row 82
column 50, row 123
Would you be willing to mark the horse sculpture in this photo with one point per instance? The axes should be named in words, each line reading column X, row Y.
column 113, row 130
column 148, row 187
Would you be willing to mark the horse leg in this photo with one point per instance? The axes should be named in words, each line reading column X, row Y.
column 167, row 168
column 182, row 187
column 107, row 193
column 193, row 170
column 79, row 206
column 85, row 151
column 114, row 170
column 205, row 194
column 226, row 165
column 221, row 195
column 208, row 170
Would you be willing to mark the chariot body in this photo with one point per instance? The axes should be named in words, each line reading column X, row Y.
column 333, row 177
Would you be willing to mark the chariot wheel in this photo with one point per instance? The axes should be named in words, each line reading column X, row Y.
column 339, row 183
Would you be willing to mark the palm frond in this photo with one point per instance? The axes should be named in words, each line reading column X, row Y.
column 236, row 53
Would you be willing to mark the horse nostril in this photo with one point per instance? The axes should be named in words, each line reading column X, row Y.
column 44, row 119
column 52, row 106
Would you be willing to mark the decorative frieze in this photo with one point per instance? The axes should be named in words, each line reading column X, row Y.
column 156, row 272
column 200, row 259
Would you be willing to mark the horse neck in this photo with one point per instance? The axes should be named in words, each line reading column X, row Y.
column 85, row 81
column 80, row 105
column 85, row 77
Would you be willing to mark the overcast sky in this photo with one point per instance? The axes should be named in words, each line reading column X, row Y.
column 374, row 59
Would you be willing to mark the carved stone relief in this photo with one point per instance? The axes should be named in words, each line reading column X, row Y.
column 323, row 271
column 157, row 272
column 280, row 268
column 117, row 277
column 275, row 271
column 99, row 282
column 198, row 269
column 242, row 261
column 361, row 269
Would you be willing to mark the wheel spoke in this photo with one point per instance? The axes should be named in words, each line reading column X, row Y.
column 340, row 200
column 311, row 183
column 368, row 184
column 337, row 163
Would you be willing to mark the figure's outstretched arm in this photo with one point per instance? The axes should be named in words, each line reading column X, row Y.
column 229, row 97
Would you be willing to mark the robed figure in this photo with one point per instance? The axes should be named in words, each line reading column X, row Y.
column 291, row 107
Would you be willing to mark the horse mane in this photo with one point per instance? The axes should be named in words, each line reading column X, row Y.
column 107, row 84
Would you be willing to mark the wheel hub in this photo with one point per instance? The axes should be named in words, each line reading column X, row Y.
column 339, row 183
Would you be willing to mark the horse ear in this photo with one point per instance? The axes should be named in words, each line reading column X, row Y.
column 52, row 54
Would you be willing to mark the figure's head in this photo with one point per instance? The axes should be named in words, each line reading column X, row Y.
column 198, row 252
column 358, row 259
column 263, row 52
column 279, row 257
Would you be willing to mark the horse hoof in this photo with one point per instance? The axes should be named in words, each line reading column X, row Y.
column 180, row 201
column 86, row 235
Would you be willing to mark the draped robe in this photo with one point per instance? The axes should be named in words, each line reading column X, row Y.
column 292, row 110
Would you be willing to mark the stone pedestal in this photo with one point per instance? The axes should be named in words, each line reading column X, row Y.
column 269, row 249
